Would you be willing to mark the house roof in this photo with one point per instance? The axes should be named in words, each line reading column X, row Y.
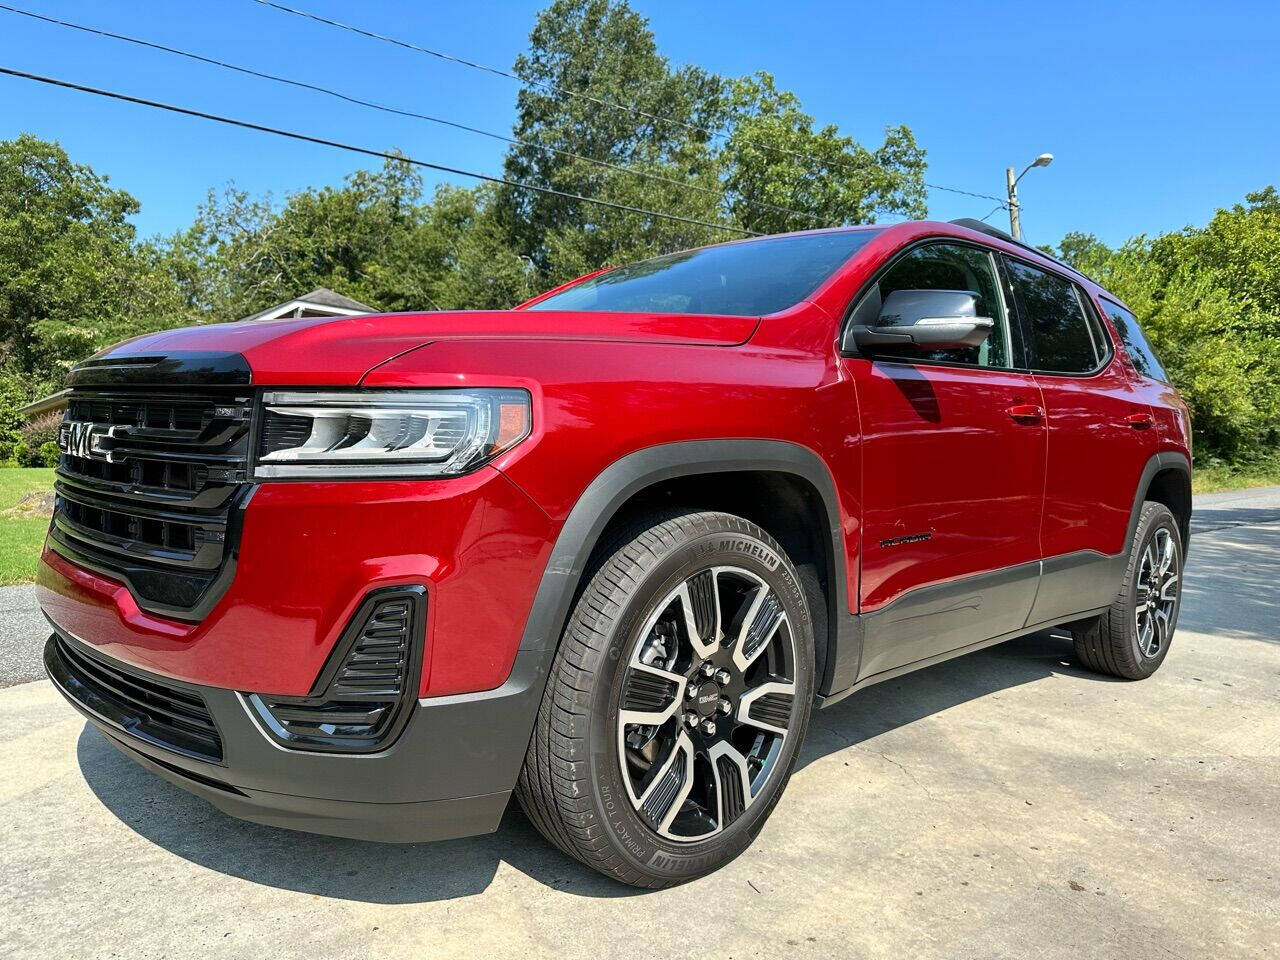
column 319, row 302
column 50, row 404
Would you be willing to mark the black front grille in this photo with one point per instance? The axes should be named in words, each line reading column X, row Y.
column 360, row 701
column 147, row 489
column 141, row 705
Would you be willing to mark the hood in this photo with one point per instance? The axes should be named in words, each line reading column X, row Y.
column 332, row 351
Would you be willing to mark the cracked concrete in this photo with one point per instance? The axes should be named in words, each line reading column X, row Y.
column 1006, row 804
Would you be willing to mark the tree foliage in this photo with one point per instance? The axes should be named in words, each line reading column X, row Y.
column 775, row 162
column 73, row 277
column 1209, row 300
column 602, row 115
column 737, row 152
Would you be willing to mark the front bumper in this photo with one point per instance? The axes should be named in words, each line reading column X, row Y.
column 449, row 773
column 308, row 555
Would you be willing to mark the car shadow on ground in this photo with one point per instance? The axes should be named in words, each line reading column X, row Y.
column 896, row 703
column 1239, row 600
column 1211, row 519
column 393, row 874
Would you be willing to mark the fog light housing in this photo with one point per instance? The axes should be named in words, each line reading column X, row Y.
column 364, row 695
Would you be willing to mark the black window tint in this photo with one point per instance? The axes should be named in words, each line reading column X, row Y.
column 740, row 279
column 943, row 266
column 1062, row 338
column 1135, row 342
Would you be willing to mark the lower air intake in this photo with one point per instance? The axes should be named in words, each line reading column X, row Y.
column 362, row 699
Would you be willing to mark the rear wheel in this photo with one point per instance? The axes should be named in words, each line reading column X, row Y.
column 678, row 698
column 1132, row 639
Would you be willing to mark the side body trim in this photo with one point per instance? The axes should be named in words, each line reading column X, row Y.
column 941, row 621
column 943, row 617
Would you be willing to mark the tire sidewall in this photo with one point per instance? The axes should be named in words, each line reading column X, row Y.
column 632, row 838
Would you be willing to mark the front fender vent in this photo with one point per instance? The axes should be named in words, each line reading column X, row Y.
column 363, row 697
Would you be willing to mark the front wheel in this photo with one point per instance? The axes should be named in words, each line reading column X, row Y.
column 1132, row 639
column 678, row 699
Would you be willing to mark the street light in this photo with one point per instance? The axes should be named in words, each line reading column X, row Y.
column 1015, row 223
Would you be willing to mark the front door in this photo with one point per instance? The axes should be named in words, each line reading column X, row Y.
column 953, row 477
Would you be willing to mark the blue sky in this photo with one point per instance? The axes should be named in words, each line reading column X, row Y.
column 1158, row 113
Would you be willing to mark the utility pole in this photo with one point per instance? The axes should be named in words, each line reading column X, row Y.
column 1015, row 218
column 1015, row 225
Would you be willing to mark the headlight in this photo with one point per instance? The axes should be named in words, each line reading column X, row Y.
column 386, row 433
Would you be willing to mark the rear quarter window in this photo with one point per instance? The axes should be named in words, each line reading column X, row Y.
column 1136, row 344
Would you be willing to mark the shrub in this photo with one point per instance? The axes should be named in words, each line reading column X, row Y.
column 6, row 451
column 40, row 430
column 49, row 453
column 22, row 453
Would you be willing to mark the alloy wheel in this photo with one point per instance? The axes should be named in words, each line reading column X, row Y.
column 1159, row 580
column 707, row 701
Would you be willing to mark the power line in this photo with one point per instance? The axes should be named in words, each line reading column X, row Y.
column 327, row 91
column 997, row 207
column 612, row 105
column 367, row 151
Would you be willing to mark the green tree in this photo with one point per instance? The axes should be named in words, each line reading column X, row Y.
column 1240, row 247
column 72, row 276
column 775, row 161
column 606, row 54
column 742, row 153
column 463, row 248
column 1206, row 301
column 375, row 238
column 244, row 254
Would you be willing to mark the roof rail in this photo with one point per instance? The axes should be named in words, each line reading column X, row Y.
column 980, row 227
column 986, row 228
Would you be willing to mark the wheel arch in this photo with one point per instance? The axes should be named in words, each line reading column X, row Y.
column 770, row 482
column 1165, row 479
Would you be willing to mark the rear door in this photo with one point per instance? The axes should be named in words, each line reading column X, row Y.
column 953, row 475
column 1100, row 438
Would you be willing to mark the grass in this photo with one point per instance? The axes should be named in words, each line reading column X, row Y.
column 1221, row 476
column 21, row 528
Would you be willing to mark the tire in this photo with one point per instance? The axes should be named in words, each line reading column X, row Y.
column 611, row 790
column 1132, row 639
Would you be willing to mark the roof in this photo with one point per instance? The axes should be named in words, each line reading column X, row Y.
column 49, row 404
column 321, row 302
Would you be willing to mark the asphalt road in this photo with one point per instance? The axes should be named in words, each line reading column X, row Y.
column 1006, row 804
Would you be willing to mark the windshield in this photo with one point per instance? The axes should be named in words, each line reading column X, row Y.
column 745, row 279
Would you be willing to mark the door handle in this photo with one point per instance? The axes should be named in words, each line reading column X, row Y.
column 1140, row 421
column 1026, row 412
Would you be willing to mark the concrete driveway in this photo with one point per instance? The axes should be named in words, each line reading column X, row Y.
column 1006, row 804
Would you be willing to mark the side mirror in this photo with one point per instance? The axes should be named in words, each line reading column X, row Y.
column 922, row 320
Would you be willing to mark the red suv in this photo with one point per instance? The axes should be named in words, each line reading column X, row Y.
column 369, row 576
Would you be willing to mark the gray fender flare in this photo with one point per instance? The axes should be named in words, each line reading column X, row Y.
column 624, row 478
column 1159, row 463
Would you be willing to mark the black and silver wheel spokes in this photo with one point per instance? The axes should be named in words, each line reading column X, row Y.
column 1157, row 593
column 707, row 701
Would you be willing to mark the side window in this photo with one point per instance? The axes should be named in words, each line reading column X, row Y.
column 1135, row 341
column 1064, row 335
column 944, row 266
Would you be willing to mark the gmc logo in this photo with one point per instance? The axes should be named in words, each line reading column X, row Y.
column 80, row 438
